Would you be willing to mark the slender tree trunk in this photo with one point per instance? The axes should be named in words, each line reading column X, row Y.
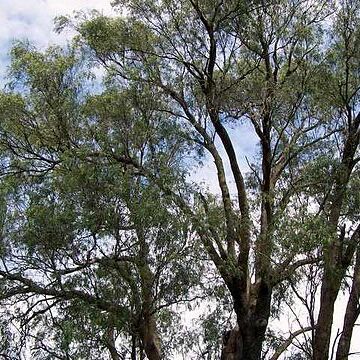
column 147, row 326
column 335, row 265
column 337, row 262
column 133, row 347
column 351, row 314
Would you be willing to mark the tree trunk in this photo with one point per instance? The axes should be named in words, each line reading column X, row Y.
column 351, row 314
column 252, row 309
column 147, row 326
column 329, row 291
column 334, row 265
column 150, row 339
column 110, row 344
column 232, row 345
column 252, row 345
column 242, row 346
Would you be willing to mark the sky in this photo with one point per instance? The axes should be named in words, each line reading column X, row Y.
column 33, row 20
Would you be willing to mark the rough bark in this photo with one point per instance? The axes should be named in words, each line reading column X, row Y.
column 254, row 330
column 245, row 345
column 147, row 322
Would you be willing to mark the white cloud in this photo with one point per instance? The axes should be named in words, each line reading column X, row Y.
column 33, row 20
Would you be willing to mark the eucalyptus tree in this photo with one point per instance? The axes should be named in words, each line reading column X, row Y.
column 183, row 80
column 340, row 201
column 92, row 256
column 330, row 185
column 218, row 65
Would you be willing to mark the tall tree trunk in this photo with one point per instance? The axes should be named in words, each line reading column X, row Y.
column 133, row 347
column 147, row 322
column 252, row 344
column 351, row 314
column 337, row 260
column 254, row 330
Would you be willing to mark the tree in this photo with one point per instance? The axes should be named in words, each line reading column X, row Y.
column 223, row 63
column 220, row 64
column 187, row 78
column 90, row 252
column 338, row 253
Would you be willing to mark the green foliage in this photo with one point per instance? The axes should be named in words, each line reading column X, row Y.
column 99, row 230
column 104, row 237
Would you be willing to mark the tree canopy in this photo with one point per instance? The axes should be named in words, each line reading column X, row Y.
column 108, row 242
